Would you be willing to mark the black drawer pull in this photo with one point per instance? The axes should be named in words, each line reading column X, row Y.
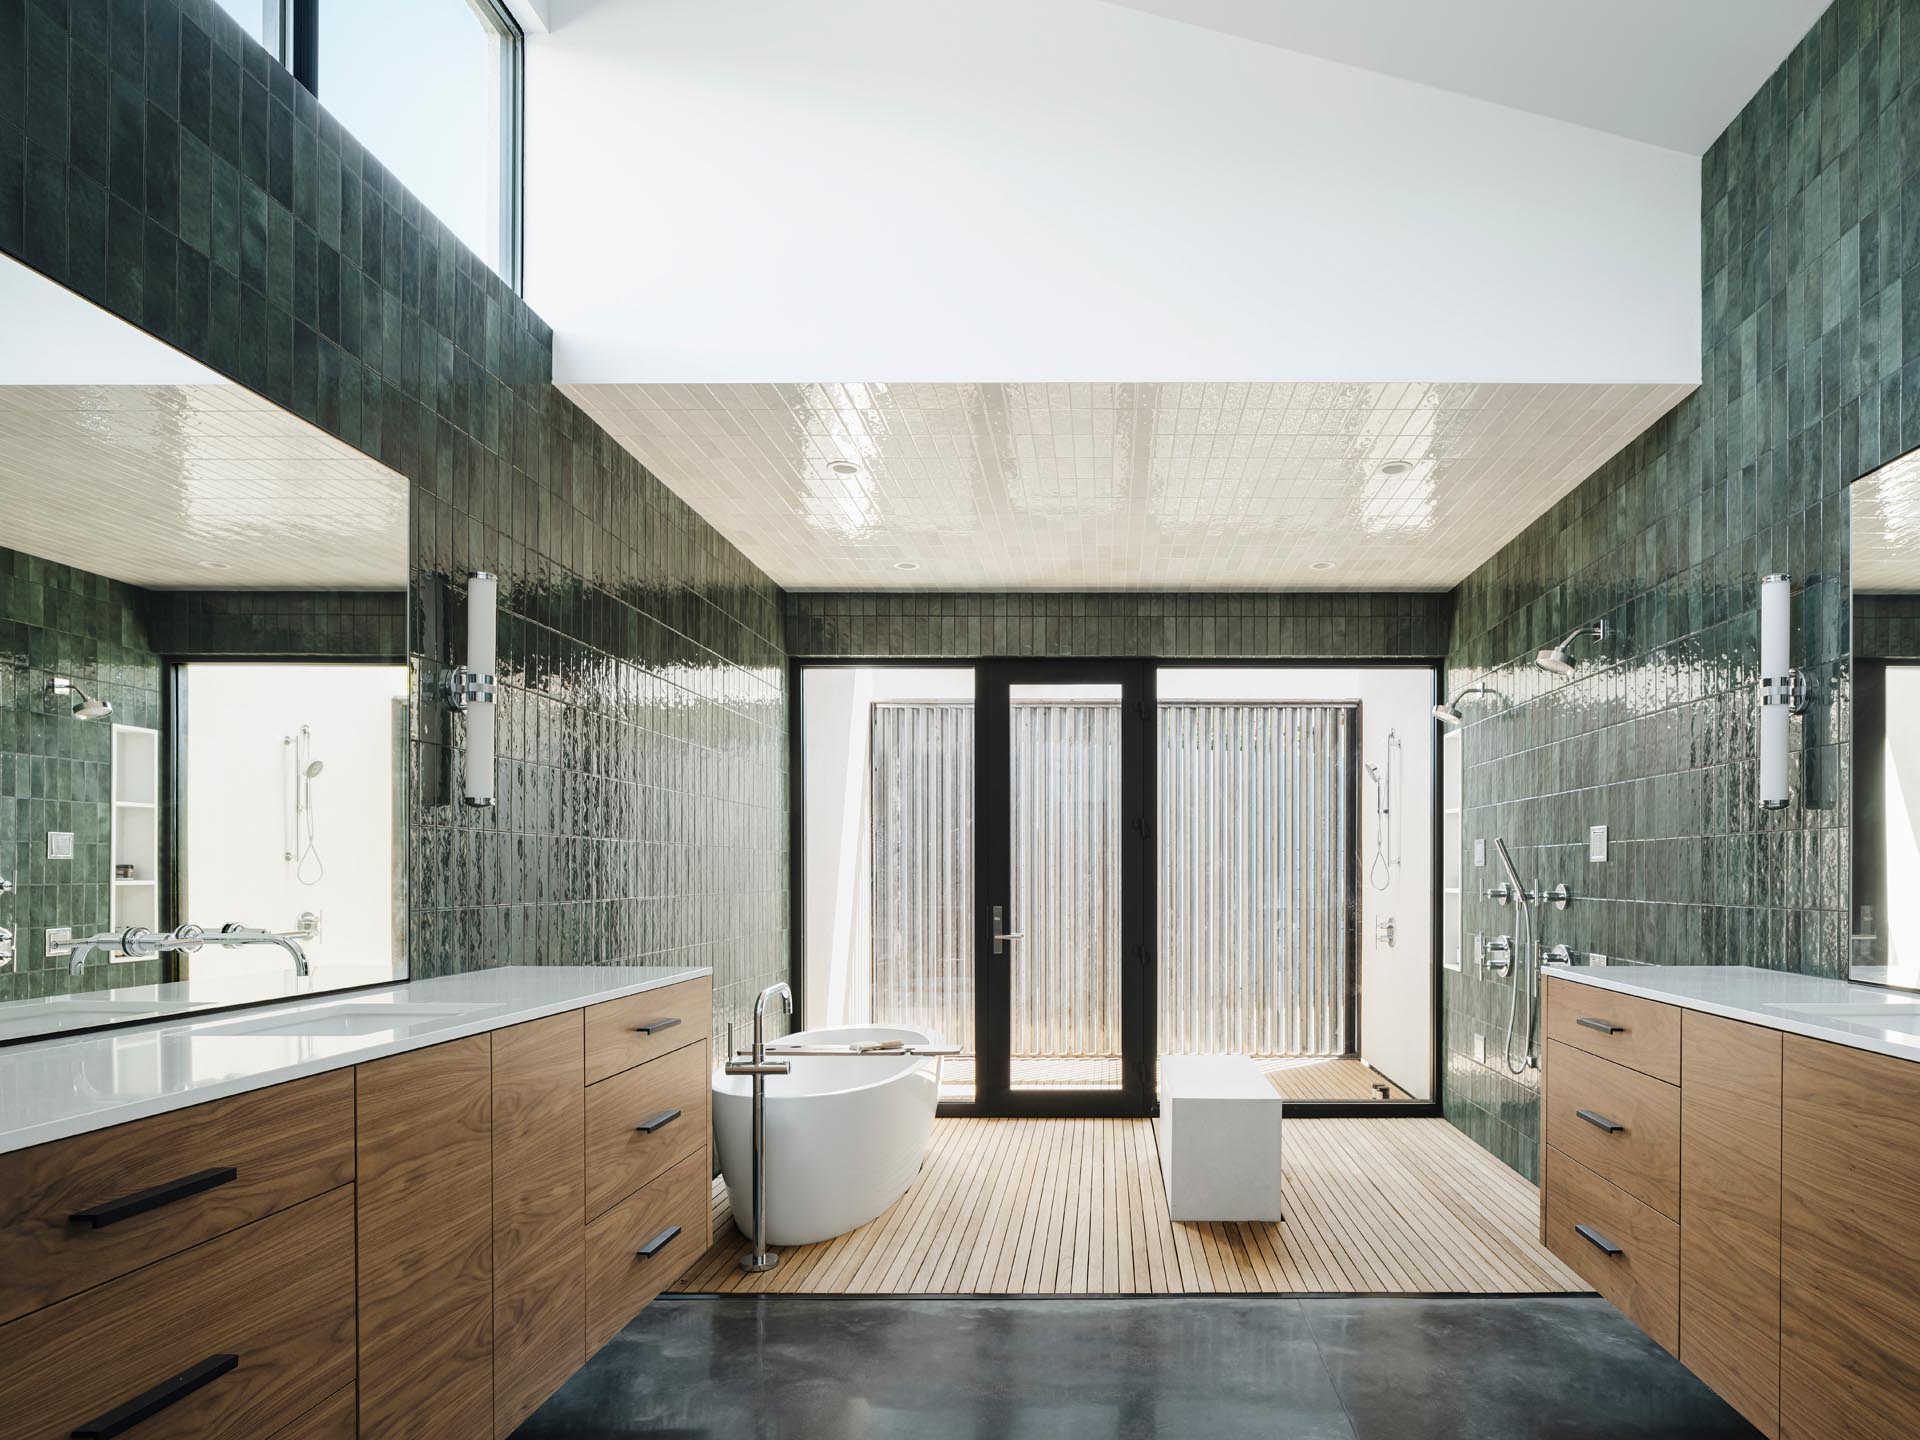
column 141, row 1201
column 1605, row 1027
column 145, row 1406
column 1600, row 1242
column 1612, row 1127
column 654, row 1027
column 653, row 1123
column 658, row 1243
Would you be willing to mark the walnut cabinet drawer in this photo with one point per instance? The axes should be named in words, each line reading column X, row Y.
column 75, row 1213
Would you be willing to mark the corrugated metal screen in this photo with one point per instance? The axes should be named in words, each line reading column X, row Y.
column 1065, row 839
column 1256, row 880
column 922, row 800
column 1254, row 873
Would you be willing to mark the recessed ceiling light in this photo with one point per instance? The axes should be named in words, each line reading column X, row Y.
column 213, row 565
column 1321, row 565
column 1397, row 467
column 905, row 565
column 844, row 467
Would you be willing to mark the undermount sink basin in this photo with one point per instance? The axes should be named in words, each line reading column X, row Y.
column 353, row 1018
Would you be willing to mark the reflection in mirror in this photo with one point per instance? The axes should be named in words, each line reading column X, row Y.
column 1886, row 739
column 203, row 685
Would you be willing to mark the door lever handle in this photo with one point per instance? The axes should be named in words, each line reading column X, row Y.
column 1000, row 936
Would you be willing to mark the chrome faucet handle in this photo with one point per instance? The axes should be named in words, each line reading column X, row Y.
column 759, row 1067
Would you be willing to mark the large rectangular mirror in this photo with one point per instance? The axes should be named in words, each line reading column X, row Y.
column 204, row 708
column 1886, row 734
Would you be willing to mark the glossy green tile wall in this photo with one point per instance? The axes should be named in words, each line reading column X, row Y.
column 56, row 771
column 1887, row 627
column 1810, row 211
column 1301, row 625
column 157, row 162
column 278, row 624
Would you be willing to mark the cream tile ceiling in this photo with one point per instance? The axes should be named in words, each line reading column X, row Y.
column 1114, row 486
column 203, row 486
column 1886, row 527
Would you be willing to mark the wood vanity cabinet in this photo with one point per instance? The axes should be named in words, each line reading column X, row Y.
column 1796, row 1273
column 539, row 1184
column 1850, row 1244
column 424, row 1151
column 403, row 1248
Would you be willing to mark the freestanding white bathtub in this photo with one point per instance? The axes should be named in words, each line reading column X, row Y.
column 845, row 1136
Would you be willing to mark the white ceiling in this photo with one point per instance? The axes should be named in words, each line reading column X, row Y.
column 1886, row 527
column 1670, row 72
column 194, row 486
column 1097, row 486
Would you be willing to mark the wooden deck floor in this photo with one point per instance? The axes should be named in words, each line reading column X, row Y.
column 1340, row 1079
column 1024, row 1207
column 1295, row 1077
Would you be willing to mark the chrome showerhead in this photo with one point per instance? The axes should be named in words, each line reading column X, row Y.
column 1558, row 659
column 1448, row 712
column 314, row 767
column 86, row 707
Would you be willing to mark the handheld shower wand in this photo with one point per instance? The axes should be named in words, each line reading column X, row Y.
column 1526, row 972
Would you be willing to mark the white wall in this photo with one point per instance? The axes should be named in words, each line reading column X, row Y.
column 783, row 190
column 1396, row 981
column 238, row 793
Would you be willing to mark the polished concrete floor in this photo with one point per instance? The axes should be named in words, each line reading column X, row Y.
column 1348, row 1368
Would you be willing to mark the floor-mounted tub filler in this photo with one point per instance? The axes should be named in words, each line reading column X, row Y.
column 845, row 1132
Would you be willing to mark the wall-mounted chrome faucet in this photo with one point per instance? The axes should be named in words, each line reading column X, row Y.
column 137, row 943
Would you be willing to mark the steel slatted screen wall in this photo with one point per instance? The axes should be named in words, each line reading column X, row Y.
column 922, row 799
column 1256, row 879
column 1065, row 839
column 1254, row 869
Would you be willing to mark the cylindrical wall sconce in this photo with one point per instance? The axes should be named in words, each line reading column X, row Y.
column 1783, row 690
column 470, row 688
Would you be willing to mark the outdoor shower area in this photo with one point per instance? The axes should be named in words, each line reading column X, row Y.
column 1238, row 862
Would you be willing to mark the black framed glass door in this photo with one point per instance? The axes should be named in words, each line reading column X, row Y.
column 1063, row 899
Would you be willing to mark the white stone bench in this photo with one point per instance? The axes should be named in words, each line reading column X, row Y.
column 1219, row 1138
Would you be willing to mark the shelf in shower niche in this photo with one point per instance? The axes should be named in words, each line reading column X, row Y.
column 134, row 842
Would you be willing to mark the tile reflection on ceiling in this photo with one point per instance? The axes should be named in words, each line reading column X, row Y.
column 1114, row 486
column 194, row 485
column 1886, row 527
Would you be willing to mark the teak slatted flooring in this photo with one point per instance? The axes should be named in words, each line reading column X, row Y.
column 1294, row 1077
column 1076, row 1207
column 1343, row 1078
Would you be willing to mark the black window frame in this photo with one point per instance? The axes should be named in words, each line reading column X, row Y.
column 297, row 47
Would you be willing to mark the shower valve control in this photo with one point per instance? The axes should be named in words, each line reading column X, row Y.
column 1499, row 955
column 1383, row 932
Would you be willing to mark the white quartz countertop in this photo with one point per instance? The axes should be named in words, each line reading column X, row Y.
column 68, row 1085
column 1865, row 1017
